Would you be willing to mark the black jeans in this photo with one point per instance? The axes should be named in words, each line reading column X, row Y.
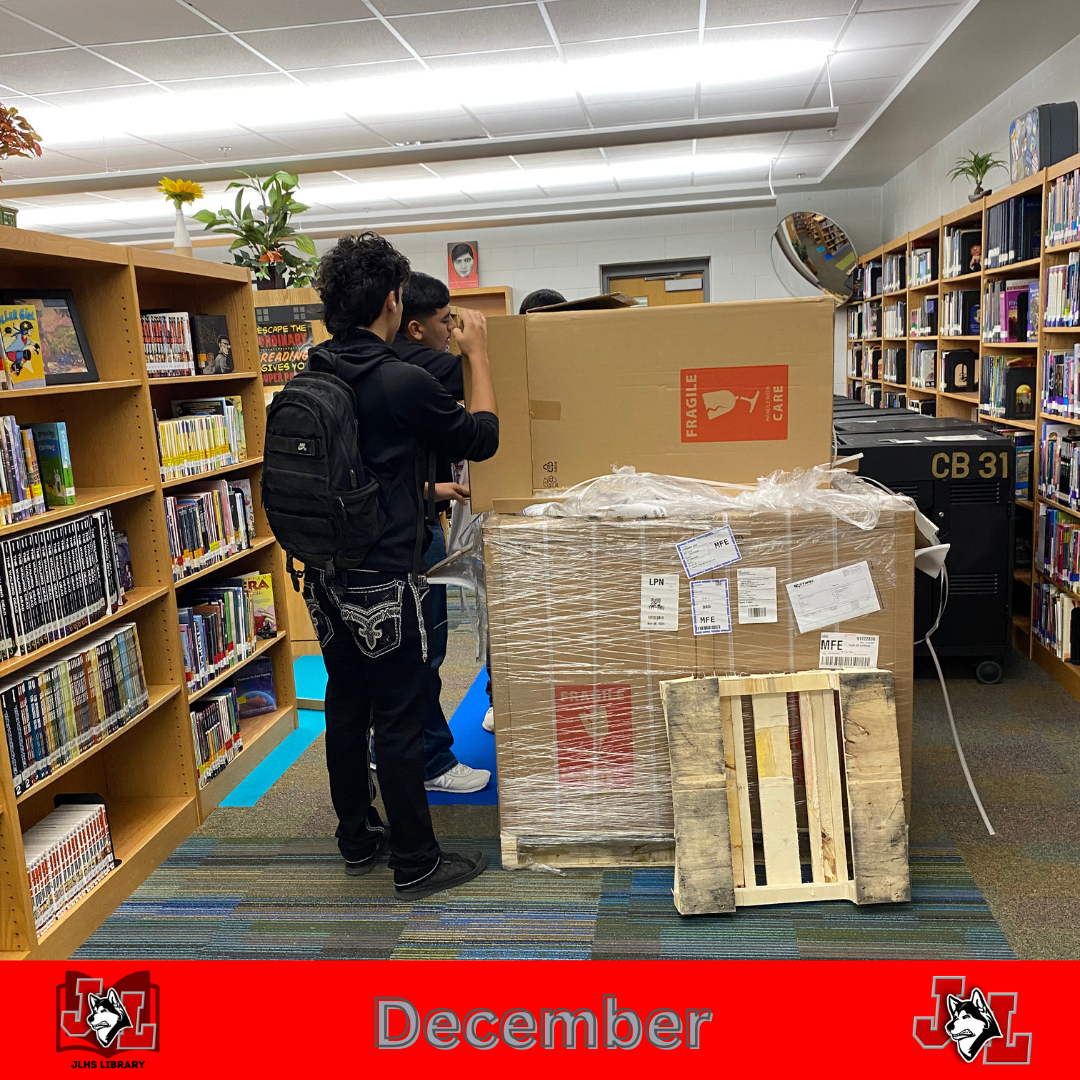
column 374, row 644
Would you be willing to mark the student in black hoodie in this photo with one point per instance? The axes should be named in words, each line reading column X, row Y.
column 424, row 339
column 372, row 622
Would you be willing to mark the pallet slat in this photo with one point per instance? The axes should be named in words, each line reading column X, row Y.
column 824, row 806
column 776, row 790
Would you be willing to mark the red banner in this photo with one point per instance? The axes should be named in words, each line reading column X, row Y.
column 269, row 1019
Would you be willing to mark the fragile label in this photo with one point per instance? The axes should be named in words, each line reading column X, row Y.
column 849, row 650
column 757, row 595
column 710, row 606
column 734, row 404
column 834, row 597
column 708, row 552
column 659, row 601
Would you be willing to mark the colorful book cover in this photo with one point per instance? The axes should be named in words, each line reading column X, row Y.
column 211, row 344
column 123, row 558
column 33, row 470
column 24, row 365
column 255, row 693
column 259, row 590
column 54, row 460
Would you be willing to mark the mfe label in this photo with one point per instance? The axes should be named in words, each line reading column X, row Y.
column 734, row 404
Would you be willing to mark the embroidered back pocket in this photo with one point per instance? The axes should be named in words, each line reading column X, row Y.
column 373, row 615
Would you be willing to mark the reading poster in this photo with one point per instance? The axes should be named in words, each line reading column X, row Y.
column 286, row 333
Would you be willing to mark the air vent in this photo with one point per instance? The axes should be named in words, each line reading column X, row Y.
column 976, row 491
column 902, row 488
column 973, row 584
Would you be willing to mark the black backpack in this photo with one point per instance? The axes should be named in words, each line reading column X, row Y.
column 322, row 506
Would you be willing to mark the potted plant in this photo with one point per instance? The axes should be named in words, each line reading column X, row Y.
column 263, row 235
column 976, row 166
column 17, row 139
column 179, row 192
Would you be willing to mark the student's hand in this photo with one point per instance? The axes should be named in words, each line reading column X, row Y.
column 472, row 336
column 455, row 492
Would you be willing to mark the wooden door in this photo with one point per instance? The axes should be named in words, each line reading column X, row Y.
column 661, row 291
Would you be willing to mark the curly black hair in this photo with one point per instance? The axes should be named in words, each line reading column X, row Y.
column 354, row 278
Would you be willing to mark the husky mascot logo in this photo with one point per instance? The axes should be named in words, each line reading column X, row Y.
column 107, row 1016
column 971, row 1025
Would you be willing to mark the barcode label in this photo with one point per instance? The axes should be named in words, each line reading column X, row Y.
column 757, row 594
column 757, row 612
column 849, row 651
column 846, row 661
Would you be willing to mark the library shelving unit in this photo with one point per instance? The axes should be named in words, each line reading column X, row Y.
column 489, row 299
column 967, row 405
column 146, row 770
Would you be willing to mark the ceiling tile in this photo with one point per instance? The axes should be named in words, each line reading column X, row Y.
column 448, row 170
column 101, row 21
column 268, row 14
column 565, row 157
column 495, row 58
column 189, row 58
column 317, row 46
column 324, row 140
column 589, row 20
column 741, row 12
column 527, row 121
column 16, row 37
column 642, row 111
column 403, row 131
column 104, row 95
column 875, row 63
column 889, row 5
column 810, row 30
column 241, row 146
column 774, row 99
column 586, row 50
column 271, row 80
column 474, row 31
column 69, row 69
column 386, row 174
column 411, row 7
column 647, row 151
column 327, row 75
column 913, row 27
column 859, row 91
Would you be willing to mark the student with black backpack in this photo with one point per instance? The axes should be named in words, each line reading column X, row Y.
column 346, row 494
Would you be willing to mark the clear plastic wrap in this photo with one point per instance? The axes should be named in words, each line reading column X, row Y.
column 581, row 739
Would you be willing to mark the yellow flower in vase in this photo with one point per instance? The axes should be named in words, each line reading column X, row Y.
column 179, row 192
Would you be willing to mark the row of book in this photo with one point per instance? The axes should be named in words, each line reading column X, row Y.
column 1061, row 382
column 1063, row 293
column 855, row 323
column 1059, row 464
column 1025, row 455
column 924, row 318
column 1006, row 387
column 58, row 711
column 1058, row 546
column 895, row 364
column 209, row 524
column 924, row 367
column 867, row 281
column 1056, row 622
column 205, row 434
column 60, row 579
column 1013, row 230
column 960, row 313
column 1010, row 311
column 922, row 266
column 892, row 399
column 222, row 623
column 896, row 320
column 961, row 251
column 1063, row 210
column 35, row 470
column 177, row 343
column 67, row 853
column 892, row 273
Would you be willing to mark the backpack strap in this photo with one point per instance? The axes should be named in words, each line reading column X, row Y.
column 426, row 514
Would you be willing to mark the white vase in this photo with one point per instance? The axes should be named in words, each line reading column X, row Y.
column 181, row 241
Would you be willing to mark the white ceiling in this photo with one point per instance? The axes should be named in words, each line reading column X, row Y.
column 118, row 55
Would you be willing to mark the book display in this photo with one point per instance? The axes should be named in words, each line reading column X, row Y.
column 93, row 540
column 1009, row 337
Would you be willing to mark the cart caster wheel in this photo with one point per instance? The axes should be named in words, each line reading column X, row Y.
column 989, row 672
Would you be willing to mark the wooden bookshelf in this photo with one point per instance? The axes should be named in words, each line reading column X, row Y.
column 966, row 406
column 146, row 770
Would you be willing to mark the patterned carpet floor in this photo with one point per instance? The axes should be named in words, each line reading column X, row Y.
column 266, row 881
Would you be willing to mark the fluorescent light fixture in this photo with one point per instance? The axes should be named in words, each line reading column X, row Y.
column 682, row 167
column 421, row 94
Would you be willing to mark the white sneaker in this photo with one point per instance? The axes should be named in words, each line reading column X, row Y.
column 488, row 723
column 460, row 780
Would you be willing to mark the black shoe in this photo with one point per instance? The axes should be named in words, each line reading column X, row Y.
column 454, row 868
column 365, row 866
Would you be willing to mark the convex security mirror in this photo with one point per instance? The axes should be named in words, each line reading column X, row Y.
column 820, row 251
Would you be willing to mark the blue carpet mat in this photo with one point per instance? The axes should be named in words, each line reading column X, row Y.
column 472, row 745
column 267, row 773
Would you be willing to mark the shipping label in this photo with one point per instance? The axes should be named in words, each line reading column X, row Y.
column 710, row 606
column 849, row 650
column 734, row 404
column 757, row 595
column 659, row 601
column 709, row 552
column 833, row 597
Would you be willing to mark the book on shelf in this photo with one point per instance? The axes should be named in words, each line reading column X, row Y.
column 926, row 406
column 923, row 362
column 1061, row 382
column 855, row 361
column 211, row 345
column 56, row 581
column 892, row 273
column 872, row 319
column 894, row 360
column 230, row 407
column 255, row 694
column 24, row 362
column 961, row 252
column 1056, row 622
column 871, row 280
column 872, row 362
column 1042, row 137
column 893, row 400
column 959, row 371
column 58, row 711
column 1063, row 292
column 67, row 853
column 960, row 313
column 123, row 559
column 1058, row 545
column 922, row 265
column 1059, row 454
column 167, row 344
column 855, row 323
column 1010, row 311
column 215, row 723
column 1063, row 210
column 1007, row 387
column 54, row 464
column 924, row 317
column 205, row 435
column 21, row 495
column 895, row 316
column 208, row 524
column 1013, row 230
column 259, row 589
column 872, row 396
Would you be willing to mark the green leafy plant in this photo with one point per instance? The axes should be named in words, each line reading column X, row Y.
column 265, row 235
column 976, row 166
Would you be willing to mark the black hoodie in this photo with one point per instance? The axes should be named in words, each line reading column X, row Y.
column 403, row 414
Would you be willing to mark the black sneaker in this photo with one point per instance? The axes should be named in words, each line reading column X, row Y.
column 454, row 868
column 365, row 866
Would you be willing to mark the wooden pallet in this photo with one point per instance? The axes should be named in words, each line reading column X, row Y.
column 846, row 735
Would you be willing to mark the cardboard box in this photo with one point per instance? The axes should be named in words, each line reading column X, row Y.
column 726, row 391
column 580, row 735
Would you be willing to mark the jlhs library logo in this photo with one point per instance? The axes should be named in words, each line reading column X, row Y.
column 108, row 1018
column 977, row 1024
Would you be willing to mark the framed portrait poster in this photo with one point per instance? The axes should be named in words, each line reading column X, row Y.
column 64, row 347
column 463, row 265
